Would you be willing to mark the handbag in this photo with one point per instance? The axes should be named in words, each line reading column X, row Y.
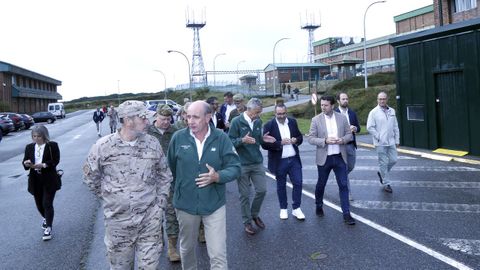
column 58, row 173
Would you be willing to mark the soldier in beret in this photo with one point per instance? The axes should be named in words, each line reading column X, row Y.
column 128, row 171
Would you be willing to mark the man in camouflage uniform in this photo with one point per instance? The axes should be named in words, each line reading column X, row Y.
column 163, row 130
column 128, row 171
column 112, row 113
column 238, row 100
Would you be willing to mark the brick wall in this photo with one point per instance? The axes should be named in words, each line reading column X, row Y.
column 450, row 16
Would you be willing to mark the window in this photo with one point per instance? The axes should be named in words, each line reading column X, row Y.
column 415, row 113
column 463, row 5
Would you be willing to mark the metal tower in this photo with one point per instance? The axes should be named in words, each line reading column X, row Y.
column 310, row 25
column 199, row 78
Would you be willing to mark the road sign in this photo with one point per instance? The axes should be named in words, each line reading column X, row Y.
column 314, row 98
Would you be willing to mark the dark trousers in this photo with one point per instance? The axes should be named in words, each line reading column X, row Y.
column 335, row 163
column 44, row 201
column 292, row 167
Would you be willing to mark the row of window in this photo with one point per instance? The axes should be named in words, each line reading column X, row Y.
column 26, row 82
column 464, row 5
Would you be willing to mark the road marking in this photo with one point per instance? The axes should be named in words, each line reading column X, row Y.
column 417, row 184
column 468, row 246
column 363, row 157
column 77, row 136
column 411, row 168
column 418, row 206
column 389, row 232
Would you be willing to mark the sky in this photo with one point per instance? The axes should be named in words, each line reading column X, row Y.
column 98, row 47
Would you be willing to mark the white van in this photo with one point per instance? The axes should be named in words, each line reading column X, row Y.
column 57, row 109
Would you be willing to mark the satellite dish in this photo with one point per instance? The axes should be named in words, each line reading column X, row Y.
column 357, row 40
column 345, row 40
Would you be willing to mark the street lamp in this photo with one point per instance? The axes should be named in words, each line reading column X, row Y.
column 215, row 58
column 3, row 92
column 243, row 61
column 164, row 80
column 365, row 43
column 189, row 73
column 118, row 90
column 274, row 67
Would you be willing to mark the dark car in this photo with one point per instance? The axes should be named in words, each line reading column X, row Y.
column 16, row 119
column 27, row 120
column 6, row 125
column 44, row 117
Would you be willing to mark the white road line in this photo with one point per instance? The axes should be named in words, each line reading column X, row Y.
column 467, row 246
column 390, row 233
column 416, row 184
column 411, row 168
column 418, row 206
column 362, row 157
column 76, row 137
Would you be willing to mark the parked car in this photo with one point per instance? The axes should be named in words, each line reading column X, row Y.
column 16, row 119
column 175, row 107
column 6, row 125
column 27, row 120
column 44, row 117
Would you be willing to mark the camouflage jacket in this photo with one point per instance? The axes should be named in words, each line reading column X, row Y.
column 164, row 138
column 129, row 179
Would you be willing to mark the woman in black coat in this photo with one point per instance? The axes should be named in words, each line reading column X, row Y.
column 41, row 158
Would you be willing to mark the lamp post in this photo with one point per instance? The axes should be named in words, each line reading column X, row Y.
column 215, row 58
column 3, row 92
column 189, row 73
column 164, row 81
column 365, row 43
column 238, row 64
column 118, row 90
column 274, row 67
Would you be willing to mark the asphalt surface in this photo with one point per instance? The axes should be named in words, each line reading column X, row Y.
column 430, row 221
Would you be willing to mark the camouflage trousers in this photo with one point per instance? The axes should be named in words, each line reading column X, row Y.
column 134, row 237
column 171, row 222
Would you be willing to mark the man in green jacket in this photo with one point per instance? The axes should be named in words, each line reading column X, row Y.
column 202, row 160
column 246, row 135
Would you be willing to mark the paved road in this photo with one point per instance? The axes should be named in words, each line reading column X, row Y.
column 431, row 220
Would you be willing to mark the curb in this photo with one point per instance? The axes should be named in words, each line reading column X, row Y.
column 428, row 155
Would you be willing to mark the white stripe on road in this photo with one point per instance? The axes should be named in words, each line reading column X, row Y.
column 417, row 206
column 77, row 137
column 411, row 168
column 362, row 157
column 416, row 184
column 467, row 246
column 390, row 233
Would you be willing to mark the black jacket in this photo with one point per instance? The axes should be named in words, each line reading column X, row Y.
column 48, row 176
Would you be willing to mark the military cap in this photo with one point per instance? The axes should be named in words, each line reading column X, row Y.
column 133, row 108
column 164, row 110
column 238, row 97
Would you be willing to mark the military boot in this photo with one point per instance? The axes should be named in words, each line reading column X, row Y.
column 172, row 249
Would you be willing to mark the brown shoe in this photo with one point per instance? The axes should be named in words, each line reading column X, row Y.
column 259, row 222
column 249, row 229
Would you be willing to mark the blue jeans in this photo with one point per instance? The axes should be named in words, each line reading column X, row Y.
column 335, row 163
column 293, row 168
column 387, row 157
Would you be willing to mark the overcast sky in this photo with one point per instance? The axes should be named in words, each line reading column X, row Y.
column 94, row 46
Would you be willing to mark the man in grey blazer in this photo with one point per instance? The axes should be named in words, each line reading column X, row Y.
column 330, row 132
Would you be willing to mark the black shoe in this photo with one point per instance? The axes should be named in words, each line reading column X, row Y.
column 259, row 222
column 380, row 177
column 348, row 219
column 44, row 224
column 388, row 189
column 249, row 229
column 319, row 212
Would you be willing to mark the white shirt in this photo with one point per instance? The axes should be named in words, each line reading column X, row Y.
column 288, row 150
column 39, row 149
column 214, row 119
column 230, row 108
column 344, row 112
column 249, row 121
column 332, row 131
column 200, row 144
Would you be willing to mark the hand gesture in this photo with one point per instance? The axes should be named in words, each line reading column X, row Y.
column 353, row 128
column 286, row 141
column 268, row 139
column 27, row 163
column 205, row 179
column 248, row 139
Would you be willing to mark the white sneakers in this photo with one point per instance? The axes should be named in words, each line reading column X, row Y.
column 47, row 234
column 298, row 214
column 295, row 212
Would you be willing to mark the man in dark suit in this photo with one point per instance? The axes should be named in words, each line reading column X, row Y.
column 330, row 132
column 217, row 118
column 227, row 107
column 284, row 159
column 342, row 99
column 98, row 118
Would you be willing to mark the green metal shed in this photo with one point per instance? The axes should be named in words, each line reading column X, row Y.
column 438, row 87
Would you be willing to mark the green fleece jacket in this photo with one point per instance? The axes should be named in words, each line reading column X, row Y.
column 249, row 153
column 219, row 153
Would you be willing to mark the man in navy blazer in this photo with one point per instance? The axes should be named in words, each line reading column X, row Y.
column 284, row 159
column 342, row 99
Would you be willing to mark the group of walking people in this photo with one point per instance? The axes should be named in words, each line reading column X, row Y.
column 144, row 172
